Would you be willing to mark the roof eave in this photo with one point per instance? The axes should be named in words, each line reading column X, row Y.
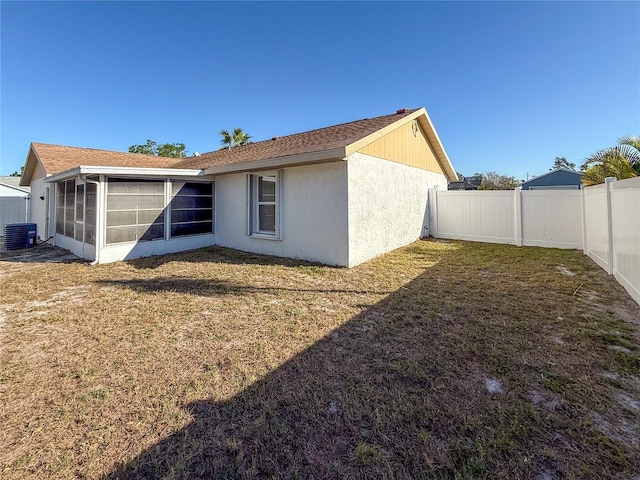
column 436, row 143
column 325, row 156
column 13, row 187
column 126, row 171
column 27, row 171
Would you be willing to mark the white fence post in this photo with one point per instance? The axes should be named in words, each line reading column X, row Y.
column 585, row 248
column 610, row 257
column 517, row 211
column 434, row 227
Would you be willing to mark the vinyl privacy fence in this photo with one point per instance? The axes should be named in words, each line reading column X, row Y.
column 13, row 210
column 603, row 221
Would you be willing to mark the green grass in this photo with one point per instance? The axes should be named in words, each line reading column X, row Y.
column 221, row 364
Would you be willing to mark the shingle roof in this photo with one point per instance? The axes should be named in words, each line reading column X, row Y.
column 322, row 139
column 14, row 182
column 58, row 158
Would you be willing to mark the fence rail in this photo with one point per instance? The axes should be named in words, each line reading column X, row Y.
column 603, row 221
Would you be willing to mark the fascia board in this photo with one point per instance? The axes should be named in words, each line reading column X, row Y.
column 13, row 187
column 29, row 169
column 434, row 139
column 128, row 171
column 325, row 156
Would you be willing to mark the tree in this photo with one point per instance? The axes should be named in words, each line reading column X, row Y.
column 621, row 161
column 18, row 173
column 235, row 139
column 562, row 162
column 149, row 148
column 630, row 148
column 496, row 181
column 610, row 167
column 173, row 150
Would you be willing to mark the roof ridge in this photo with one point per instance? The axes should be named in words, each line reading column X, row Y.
column 280, row 137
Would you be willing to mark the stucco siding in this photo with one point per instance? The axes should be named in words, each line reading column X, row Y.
column 38, row 207
column 313, row 209
column 128, row 251
column 387, row 205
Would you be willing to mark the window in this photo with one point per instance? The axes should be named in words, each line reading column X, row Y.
column 65, row 208
column 91, row 190
column 79, row 211
column 264, row 205
column 191, row 208
column 135, row 210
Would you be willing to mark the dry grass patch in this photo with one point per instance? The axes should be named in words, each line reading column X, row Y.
column 221, row 363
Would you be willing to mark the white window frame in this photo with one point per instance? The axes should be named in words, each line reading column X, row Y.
column 253, row 220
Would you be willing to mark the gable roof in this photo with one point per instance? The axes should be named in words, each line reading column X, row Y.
column 58, row 158
column 551, row 172
column 325, row 139
column 320, row 145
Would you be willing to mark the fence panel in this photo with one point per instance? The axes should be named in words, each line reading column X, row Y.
column 13, row 210
column 625, row 213
column 551, row 218
column 596, row 219
column 603, row 220
column 484, row 216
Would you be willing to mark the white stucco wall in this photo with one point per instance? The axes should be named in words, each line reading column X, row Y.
column 313, row 214
column 387, row 205
column 38, row 210
column 128, row 251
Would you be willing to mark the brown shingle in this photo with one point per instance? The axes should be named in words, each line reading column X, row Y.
column 313, row 141
column 58, row 158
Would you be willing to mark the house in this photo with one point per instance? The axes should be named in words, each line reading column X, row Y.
column 558, row 178
column 14, row 202
column 467, row 183
column 338, row 195
column 10, row 187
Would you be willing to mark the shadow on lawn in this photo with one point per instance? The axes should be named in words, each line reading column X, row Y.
column 397, row 392
column 210, row 288
column 216, row 254
column 369, row 399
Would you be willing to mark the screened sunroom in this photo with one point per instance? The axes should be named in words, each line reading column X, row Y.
column 113, row 217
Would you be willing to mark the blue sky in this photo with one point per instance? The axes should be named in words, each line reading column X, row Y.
column 508, row 85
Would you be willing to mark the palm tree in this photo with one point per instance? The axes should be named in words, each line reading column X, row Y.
column 235, row 139
column 621, row 161
column 609, row 167
column 630, row 149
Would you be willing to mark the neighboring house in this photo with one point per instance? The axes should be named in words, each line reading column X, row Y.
column 558, row 178
column 338, row 195
column 14, row 202
column 467, row 183
column 10, row 187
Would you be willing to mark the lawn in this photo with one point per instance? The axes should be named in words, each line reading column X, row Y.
column 438, row 360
